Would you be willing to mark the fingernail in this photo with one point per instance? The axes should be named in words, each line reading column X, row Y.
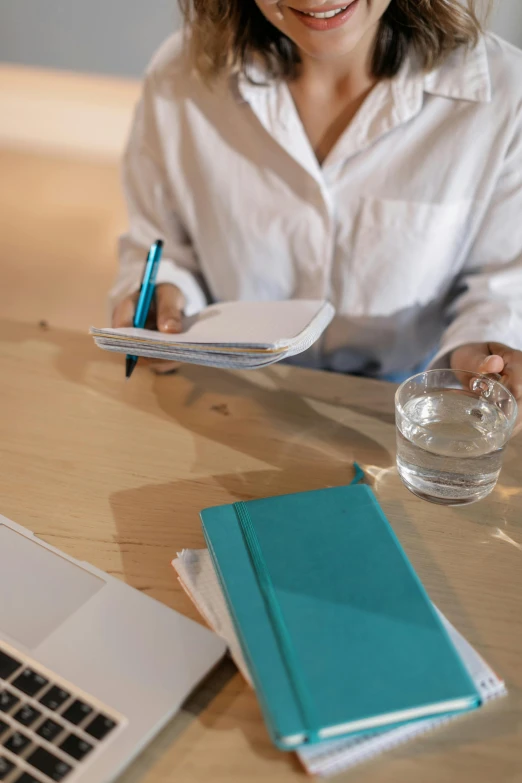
column 171, row 325
column 493, row 361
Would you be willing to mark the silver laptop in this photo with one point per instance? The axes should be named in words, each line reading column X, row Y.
column 90, row 669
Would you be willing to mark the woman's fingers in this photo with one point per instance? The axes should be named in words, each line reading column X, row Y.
column 166, row 315
column 169, row 309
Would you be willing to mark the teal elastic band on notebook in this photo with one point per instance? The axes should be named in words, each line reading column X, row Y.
column 359, row 475
column 302, row 694
column 295, row 676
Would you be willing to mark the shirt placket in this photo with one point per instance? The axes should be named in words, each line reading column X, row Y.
column 276, row 111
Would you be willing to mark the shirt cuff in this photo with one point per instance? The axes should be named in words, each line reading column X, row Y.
column 195, row 299
column 455, row 338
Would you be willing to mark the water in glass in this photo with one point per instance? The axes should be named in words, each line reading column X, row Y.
column 449, row 445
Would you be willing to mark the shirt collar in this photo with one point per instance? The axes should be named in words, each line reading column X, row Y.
column 464, row 75
column 247, row 83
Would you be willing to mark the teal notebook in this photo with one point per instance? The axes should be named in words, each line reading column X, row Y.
column 337, row 630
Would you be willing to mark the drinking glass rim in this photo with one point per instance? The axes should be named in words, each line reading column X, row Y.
column 399, row 407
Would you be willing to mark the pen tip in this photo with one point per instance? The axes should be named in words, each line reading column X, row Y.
column 130, row 364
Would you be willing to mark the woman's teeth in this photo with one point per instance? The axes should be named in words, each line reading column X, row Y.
column 326, row 14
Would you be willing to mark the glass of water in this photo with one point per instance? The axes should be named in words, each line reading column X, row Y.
column 452, row 428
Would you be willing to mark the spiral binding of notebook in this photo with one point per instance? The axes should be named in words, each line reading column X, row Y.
column 334, row 757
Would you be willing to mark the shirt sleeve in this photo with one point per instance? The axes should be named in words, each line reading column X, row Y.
column 152, row 215
column 488, row 302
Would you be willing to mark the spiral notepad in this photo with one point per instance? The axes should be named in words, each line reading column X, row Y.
column 197, row 576
column 241, row 335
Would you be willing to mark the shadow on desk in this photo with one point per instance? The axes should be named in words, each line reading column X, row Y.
column 287, row 431
column 274, row 441
column 222, row 703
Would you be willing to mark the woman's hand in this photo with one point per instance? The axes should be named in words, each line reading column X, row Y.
column 165, row 315
column 493, row 358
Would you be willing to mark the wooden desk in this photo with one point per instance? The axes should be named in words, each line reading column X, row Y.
column 115, row 473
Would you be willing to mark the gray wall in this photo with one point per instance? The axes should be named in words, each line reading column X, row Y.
column 119, row 36
column 105, row 36
column 507, row 20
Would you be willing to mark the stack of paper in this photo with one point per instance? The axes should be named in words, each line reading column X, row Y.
column 197, row 576
column 242, row 335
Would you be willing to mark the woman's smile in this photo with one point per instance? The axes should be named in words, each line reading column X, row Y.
column 325, row 18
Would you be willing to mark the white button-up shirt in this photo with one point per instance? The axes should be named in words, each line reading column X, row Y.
column 412, row 226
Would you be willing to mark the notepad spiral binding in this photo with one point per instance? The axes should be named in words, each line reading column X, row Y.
column 368, row 746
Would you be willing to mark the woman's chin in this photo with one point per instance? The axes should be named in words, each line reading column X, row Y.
column 332, row 49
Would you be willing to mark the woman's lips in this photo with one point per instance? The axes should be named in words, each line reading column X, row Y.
column 322, row 24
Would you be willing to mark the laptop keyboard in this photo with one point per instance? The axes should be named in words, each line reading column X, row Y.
column 45, row 730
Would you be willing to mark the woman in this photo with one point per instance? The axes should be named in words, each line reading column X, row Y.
column 368, row 152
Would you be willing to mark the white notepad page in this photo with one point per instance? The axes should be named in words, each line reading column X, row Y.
column 258, row 325
column 230, row 335
column 197, row 576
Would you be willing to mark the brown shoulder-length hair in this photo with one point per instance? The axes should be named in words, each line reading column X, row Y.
column 227, row 34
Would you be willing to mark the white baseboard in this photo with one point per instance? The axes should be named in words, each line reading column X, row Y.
column 65, row 113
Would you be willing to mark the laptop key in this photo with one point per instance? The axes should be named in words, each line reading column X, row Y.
column 7, row 700
column 100, row 727
column 3, row 727
column 54, row 698
column 49, row 764
column 77, row 712
column 17, row 743
column 30, row 682
column 49, row 730
column 6, row 767
column 8, row 665
column 25, row 777
column 75, row 747
column 27, row 715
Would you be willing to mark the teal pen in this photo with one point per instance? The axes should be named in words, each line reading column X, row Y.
column 148, row 284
